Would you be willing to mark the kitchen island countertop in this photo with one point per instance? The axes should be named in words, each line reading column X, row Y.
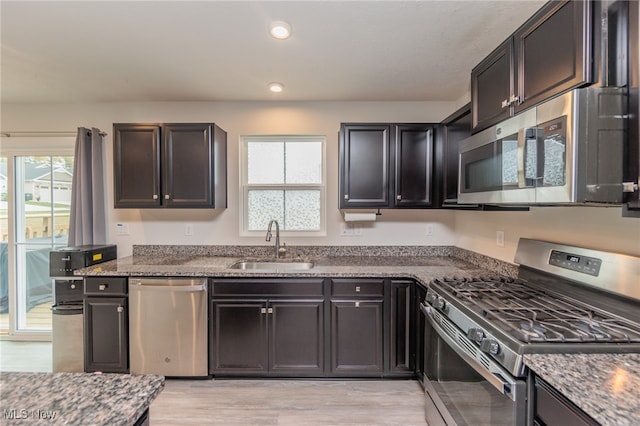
column 76, row 398
column 605, row 386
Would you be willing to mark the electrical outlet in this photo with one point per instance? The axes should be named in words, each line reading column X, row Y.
column 357, row 229
column 122, row 229
column 500, row 238
column 188, row 229
column 346, row 230
column 429, row 229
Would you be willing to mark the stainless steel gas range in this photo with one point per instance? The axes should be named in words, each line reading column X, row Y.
column 565, row 300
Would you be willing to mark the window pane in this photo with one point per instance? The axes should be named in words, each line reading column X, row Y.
column 302, row 210
column 43, row 196
column 264, row 206
column 304, row 162
column 265, row 162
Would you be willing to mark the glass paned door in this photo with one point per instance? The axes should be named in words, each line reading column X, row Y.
column 42, row 206
column 4, row 244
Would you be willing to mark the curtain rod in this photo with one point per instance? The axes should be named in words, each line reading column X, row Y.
column 42, row 134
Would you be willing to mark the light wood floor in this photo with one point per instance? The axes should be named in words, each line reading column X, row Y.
column 289, row 402
column 260, row 402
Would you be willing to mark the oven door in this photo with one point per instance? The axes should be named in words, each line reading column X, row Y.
column 462, row 385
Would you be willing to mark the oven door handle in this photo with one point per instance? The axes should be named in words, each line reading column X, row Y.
column 492, row 372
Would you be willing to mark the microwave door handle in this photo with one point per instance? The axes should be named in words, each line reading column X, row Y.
column 522, row 143
column 495, row 374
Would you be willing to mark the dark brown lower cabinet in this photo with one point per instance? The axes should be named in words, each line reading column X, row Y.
column 402, row 345
column 267, row 337
column 357, row 337
column 552, row 408
column 106, row 337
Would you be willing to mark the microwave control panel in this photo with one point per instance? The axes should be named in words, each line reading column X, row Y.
column 575, row 262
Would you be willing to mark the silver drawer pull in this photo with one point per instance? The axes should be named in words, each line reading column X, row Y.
column 270, row 311
column 357, row 304
column 120, row 309
column 102, row 287
column 263, row 310
column 155, row 196
column 357, row 289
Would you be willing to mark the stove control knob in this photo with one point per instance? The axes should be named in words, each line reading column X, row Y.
column 440, row 303
column 475, row 334
column 431, row 297
column 490, row 346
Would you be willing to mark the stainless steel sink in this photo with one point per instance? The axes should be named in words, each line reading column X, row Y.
column 271, row 266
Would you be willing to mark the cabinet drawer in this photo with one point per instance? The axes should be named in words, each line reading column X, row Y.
column 267, row 287
column 351, row 288
column 105, row 285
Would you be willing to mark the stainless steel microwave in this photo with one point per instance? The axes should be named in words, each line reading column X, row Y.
column 568, row 150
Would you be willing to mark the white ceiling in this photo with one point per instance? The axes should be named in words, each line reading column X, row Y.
column 103, row 51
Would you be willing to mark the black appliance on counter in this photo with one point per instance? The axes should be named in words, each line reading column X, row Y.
column 67, row 309
column 63, row 262
column 478, row 329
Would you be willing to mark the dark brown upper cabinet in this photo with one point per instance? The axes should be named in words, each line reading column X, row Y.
column 170, row 165
column 386, row 165
column 455, row 128
column 549, row 54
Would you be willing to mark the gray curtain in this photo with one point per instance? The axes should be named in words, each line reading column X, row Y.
column 88, row 222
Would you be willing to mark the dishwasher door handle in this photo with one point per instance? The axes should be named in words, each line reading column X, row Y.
column 171, row 288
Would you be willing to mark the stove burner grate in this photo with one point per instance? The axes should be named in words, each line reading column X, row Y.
column 533, row 315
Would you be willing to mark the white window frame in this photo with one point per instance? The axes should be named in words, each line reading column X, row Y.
column 12, row 148
column 245, row 187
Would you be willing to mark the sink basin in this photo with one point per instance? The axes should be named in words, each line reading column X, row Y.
column 272, row 266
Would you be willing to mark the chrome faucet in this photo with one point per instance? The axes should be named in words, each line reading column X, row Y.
column 279, row 251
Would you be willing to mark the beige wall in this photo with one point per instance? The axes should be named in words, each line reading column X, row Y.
column 594, row 227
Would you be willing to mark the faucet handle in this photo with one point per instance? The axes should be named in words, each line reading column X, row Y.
column 282, row 251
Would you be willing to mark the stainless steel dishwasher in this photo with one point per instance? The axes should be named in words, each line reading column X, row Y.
column 168, row 326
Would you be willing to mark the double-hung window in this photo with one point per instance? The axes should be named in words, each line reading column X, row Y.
column 283, row 178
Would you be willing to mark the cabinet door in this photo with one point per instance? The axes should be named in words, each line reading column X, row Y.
column 364, row 165
column 238, row 342
column 455, row 128
column 356, row 338
column 552, row 408
column 106, row 334
column 553, row 52
column 188, row 165
column 413, row 165
column 402, row 345
column 491, row 87
column 136, row 160
column 296, row 338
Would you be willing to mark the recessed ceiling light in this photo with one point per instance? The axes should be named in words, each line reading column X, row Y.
column 276, row 87
column 280, row 30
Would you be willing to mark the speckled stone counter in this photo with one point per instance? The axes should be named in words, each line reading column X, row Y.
column 422, row 263
column 76, row 398
column 605, row 386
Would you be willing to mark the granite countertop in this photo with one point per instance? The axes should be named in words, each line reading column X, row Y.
column 76, row 398
column 605, row 386
column 420, row 263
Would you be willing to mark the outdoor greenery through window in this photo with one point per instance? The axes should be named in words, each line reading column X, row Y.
column 283, row 180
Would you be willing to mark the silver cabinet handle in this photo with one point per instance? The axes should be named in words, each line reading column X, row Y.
column 270, row 310
column 357, row 304
column 398, row 197
column 357, row 289
column 346, row 196
column 513, row 99
column 155, row 196
column 102, row 287
column 166, row 196
column 263, row 310
column 120, row 309
column 505, row 103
